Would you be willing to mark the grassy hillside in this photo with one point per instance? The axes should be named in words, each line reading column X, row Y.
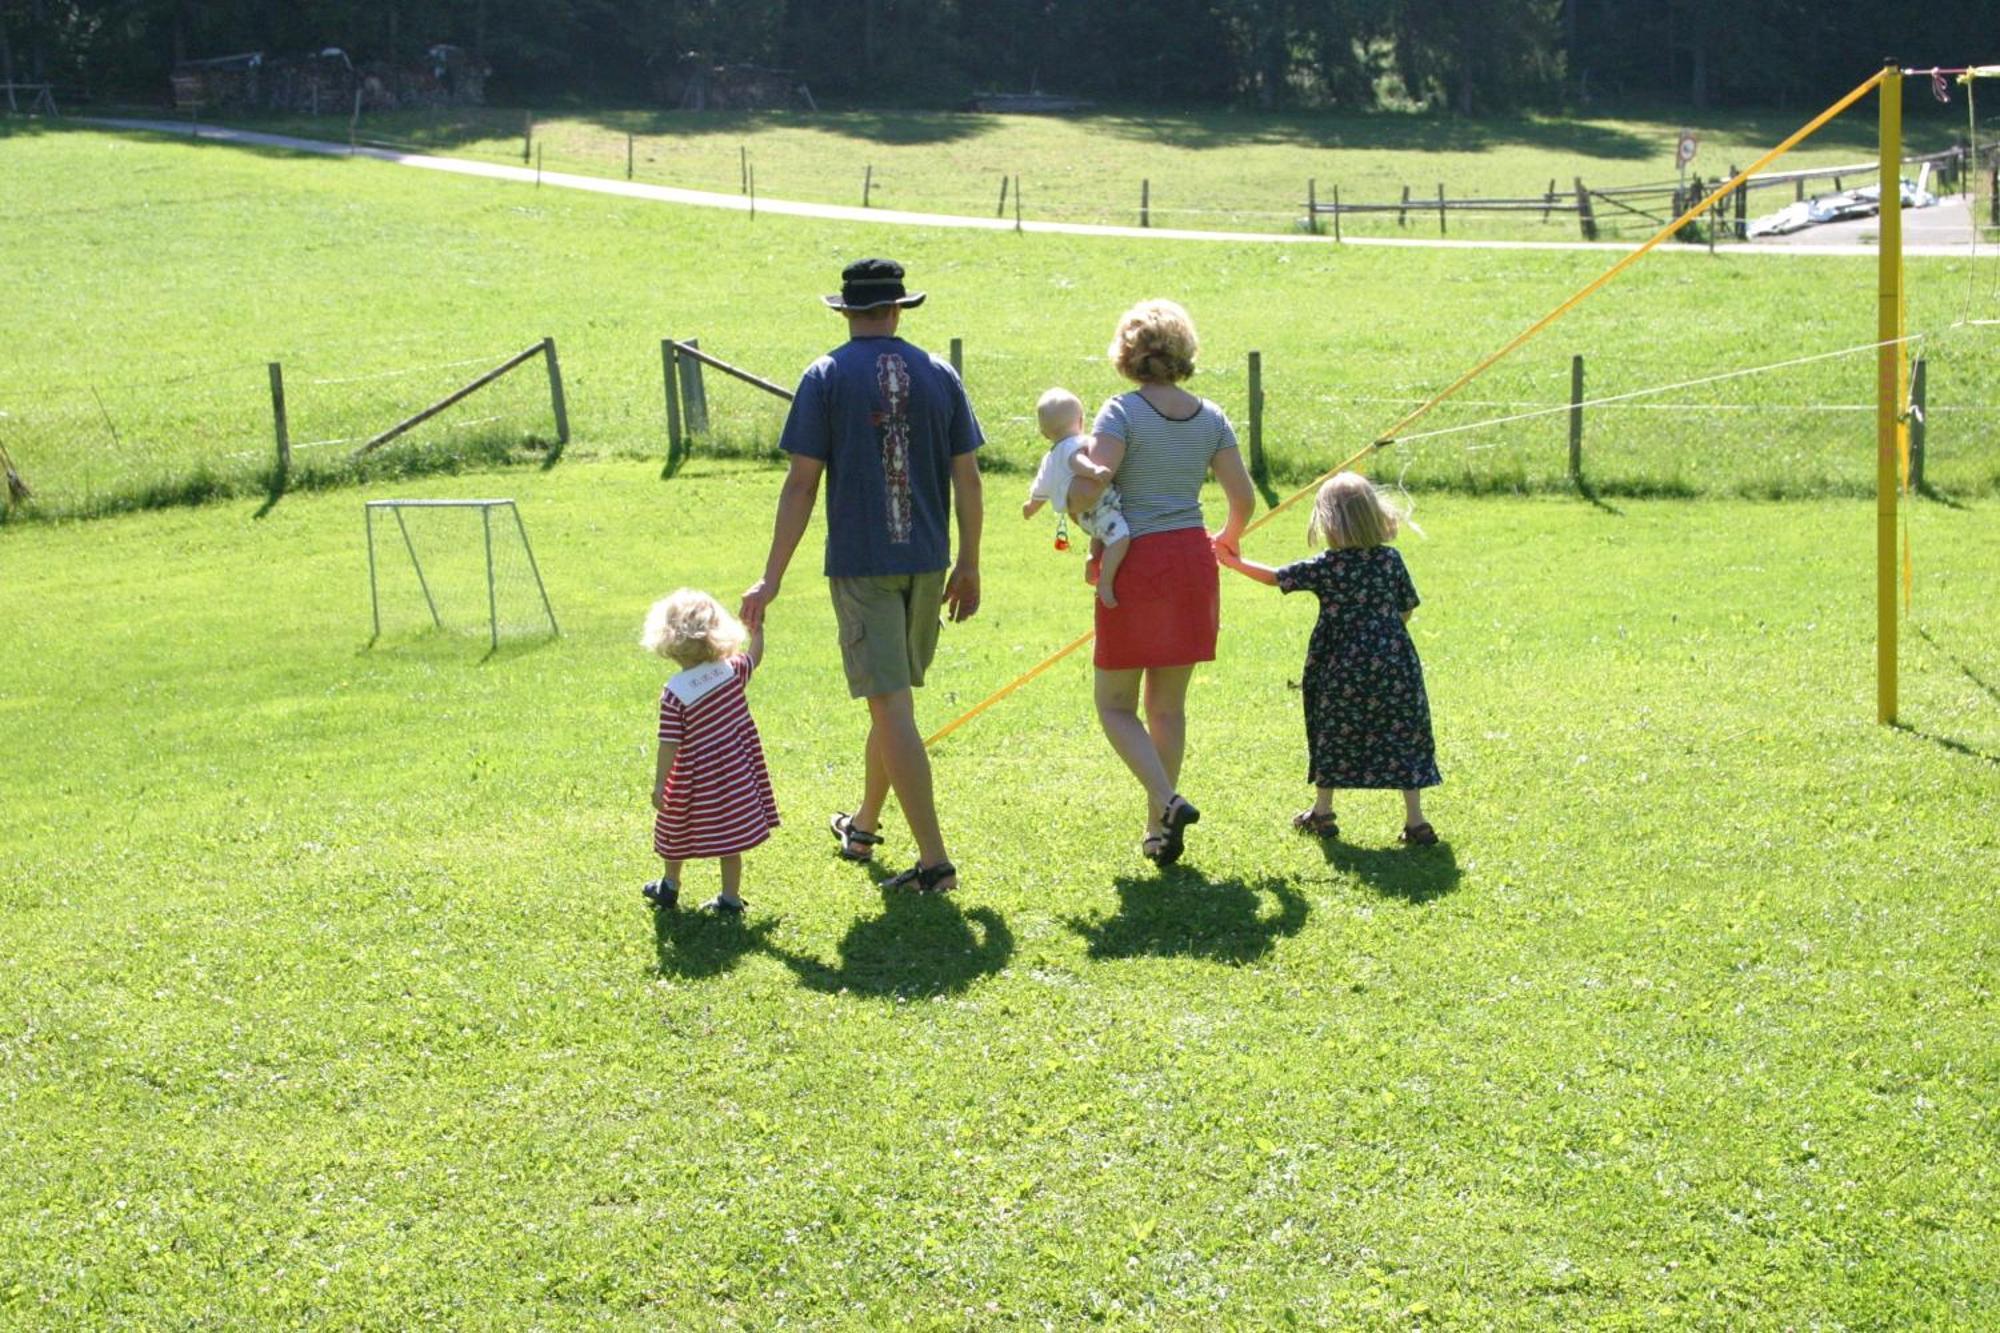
column 159, row 277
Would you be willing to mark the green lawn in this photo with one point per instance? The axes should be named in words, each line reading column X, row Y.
column 157, row 278
column 331, row 997
column 1217, row 170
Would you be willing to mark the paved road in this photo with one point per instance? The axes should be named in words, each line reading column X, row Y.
column 1915, row 242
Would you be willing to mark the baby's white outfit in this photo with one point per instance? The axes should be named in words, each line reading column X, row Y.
column 1104, row 520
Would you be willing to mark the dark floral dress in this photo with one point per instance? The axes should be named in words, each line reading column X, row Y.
column 1368, row 720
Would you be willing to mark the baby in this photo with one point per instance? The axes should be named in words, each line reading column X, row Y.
column 1060, row 415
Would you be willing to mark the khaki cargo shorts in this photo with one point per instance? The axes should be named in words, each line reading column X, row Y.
column 888, row 629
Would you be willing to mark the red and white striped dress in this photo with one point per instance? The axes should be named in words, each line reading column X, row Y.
column 718, row 799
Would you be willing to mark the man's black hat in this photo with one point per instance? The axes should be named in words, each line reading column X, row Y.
column 868, row 283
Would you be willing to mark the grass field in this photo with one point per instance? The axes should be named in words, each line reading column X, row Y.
column 159, row 278
column 331, row 997
column 1218, row 170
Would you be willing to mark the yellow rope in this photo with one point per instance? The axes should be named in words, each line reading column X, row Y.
column 1388, row 437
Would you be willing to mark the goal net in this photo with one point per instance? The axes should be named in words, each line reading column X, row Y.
column 454, row 567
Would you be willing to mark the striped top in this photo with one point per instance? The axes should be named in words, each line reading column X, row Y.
column 718, row 799
column 1166, row 460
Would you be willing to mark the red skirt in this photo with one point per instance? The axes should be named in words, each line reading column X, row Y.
column 1169, row 604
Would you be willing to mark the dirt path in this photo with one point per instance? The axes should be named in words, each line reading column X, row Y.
column 1917, row 241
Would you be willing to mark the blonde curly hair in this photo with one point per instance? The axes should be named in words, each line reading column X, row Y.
column 1349, row 511
column 1155, row 343
column 690, row 627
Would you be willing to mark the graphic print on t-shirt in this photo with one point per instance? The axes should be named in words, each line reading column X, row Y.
column 892, row 377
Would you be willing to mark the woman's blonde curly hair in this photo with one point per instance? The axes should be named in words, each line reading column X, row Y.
column 691, row 627
column 1155, row 343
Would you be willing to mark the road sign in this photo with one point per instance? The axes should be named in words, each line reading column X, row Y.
column 1685, row 153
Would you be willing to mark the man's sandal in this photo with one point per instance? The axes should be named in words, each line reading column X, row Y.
column 1176, row 817
column 1317, row 823
column 1420, row 835
column 925, row 879
column 842, row 827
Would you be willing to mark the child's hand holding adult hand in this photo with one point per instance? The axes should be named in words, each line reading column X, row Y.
column 1228, row 548
column 760, row 595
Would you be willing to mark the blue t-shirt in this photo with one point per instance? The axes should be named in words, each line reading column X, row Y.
column 887, row 418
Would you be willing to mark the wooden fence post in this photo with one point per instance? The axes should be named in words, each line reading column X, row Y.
column 867, row 183
column 1549, row 199
column 958, row 356
column 669, row 373
column 527, row 136
column 1917, row 424
column 743, row 166
column 1742, row 206
column 1312, row 206
column 1336, row 215
column 1257, row 415
column 279, row 424
column 1001, row 211
column 628, row 155
column 1145, row 203
column 558, row 403
column 1403, row 212
column 1440, row 208
column 1576, row 418
column 1584, row 217
column 694, row 398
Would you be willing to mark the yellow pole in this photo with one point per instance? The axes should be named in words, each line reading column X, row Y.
column 1888, row 387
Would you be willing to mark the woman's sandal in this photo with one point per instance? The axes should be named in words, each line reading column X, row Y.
column 1177, row 816
column 1420, row 835
column 1320, row 824
column 925, row 879
column 842, row 826
column 1150, row 845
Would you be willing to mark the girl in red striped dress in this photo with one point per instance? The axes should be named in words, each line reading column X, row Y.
column 711, row 788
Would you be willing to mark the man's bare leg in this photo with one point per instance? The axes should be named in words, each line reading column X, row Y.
column 893, row 735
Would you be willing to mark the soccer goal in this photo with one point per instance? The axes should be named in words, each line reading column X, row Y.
column 471, row 568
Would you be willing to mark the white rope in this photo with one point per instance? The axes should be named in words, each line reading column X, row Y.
column 1664, row 388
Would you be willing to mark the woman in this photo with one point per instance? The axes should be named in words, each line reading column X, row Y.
column 1162, row 442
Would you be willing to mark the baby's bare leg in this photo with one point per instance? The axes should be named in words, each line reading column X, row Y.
column 1092, row 561
column 1107, row 577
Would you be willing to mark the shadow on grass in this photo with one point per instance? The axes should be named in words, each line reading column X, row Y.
column 920, row 945
column 1945, row 498
column 1181, row 913
column 1948, row 743
column 1417, row 875
column 1985, row 686
column 696, row 945
column 1589, row 492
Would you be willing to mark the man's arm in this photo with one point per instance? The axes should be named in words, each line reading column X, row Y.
column 961, row 590
column 795, row 506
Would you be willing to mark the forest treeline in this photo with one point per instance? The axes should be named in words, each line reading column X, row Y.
column 1469, row 56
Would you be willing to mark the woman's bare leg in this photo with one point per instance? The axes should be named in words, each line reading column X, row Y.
column 1117, row 695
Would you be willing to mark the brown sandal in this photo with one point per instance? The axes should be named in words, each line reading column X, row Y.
column 1316, row 824
column 1420, row 835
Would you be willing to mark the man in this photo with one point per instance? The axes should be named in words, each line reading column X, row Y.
column 890, row 428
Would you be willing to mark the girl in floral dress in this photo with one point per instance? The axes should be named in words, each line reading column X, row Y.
column 1368, row 720
column 711, row 790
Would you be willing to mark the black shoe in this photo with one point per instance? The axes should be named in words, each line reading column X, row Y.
column 722, row 906
column 924, row 879
column 662, row 893
column 1176, row 817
